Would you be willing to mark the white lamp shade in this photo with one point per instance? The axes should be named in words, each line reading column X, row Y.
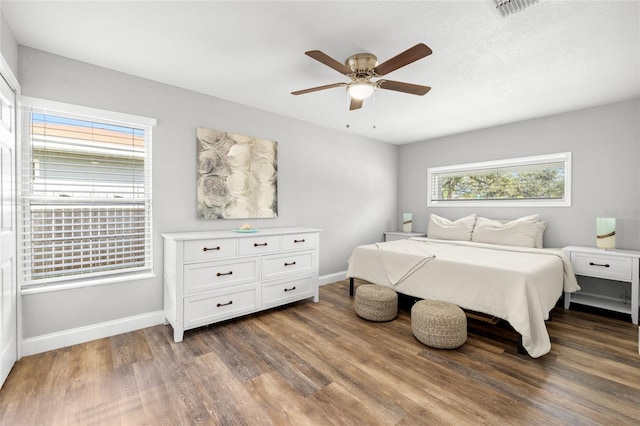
column 606, row 232
column 360, row 90
column 407, row 219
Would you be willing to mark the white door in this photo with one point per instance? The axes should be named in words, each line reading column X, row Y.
column 8, row 286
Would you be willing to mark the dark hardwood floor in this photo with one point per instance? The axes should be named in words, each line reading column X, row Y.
column 320, row 364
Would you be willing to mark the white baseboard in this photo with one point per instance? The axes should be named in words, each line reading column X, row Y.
column 332, row 278
column 61, row 339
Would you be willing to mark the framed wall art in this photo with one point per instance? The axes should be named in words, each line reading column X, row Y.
column 237, row 176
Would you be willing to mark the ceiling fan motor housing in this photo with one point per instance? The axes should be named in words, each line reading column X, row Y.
column 361, row 63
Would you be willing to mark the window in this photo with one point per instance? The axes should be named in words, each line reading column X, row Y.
column 543, row 180
column 86, row 194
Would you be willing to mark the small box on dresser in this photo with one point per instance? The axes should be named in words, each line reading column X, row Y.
column 215, row 276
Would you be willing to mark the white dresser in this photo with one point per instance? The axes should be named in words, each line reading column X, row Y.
column 214, row 276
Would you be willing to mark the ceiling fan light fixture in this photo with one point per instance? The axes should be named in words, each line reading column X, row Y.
column 361, row 89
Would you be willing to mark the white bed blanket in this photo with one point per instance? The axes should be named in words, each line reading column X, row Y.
column 400, row 259
column 519, row 285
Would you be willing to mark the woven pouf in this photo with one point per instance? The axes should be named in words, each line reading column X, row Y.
column 439, row 324
column 376, row 303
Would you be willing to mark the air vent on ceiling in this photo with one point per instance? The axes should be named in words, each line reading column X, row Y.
column 508, row 7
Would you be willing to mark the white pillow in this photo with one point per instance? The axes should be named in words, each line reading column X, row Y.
column 520, row 232
column 444, row 229
column 542, row 226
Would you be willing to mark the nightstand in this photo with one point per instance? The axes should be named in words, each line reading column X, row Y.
column 399, row 235
column 616, row 265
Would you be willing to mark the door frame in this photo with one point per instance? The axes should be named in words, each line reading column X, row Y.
column 9, row 76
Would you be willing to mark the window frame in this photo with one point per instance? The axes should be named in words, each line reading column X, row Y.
column 30, row 105
column 510, row 162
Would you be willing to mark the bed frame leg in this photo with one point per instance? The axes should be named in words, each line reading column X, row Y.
column 351, row 287
column 521, row 349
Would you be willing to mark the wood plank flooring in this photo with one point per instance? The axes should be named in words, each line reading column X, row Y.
column 319, row 364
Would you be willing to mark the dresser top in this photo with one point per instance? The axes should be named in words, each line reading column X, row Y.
column 199, row 235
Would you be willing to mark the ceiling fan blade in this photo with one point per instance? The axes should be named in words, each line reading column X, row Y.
column 355, row 104
column 329, row 61
column 315, row 89
column 412, row 54
column 399, row 86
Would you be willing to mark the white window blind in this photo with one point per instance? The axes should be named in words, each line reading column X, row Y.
column 537, row 180
column 86, row 195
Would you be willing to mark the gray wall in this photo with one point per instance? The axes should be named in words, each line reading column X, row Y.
column 605, row 142
column 343, row 184
column 351, row 187
column 8, row 46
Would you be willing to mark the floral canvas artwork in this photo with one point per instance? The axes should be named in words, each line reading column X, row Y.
column 237, row 176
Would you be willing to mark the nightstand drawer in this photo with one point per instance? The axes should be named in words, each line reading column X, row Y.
column 602, row 266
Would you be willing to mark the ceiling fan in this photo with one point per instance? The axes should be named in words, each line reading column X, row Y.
column 361, row 68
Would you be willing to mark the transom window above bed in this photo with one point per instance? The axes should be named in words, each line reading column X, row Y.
column 543, row 180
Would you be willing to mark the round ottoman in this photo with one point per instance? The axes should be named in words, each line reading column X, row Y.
column 439, row 324
column 376, row 302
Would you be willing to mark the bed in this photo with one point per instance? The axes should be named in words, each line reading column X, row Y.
column 517, row 284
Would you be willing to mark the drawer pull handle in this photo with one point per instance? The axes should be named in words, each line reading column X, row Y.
column 289, row 264
column 290, row 289
column 259, row 245
column 210, row 248
column 299, row 241
column 606, row 265
column 219, row 274
column 224, row 304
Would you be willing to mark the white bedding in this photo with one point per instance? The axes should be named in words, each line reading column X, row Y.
column 517, row 284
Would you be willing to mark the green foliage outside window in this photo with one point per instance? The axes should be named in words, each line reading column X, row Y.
column 509, row 184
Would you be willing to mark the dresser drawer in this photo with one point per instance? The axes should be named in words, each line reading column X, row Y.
column 211, row 307
column 200, row 277
column 209, row 249
column 299, row 241
column 278, row 265
column 602, row 266
column 278, row 293
column 258, row 245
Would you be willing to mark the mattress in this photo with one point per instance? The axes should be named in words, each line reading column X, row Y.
column 519, row 285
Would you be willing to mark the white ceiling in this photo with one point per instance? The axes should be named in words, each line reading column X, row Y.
column 485, row 70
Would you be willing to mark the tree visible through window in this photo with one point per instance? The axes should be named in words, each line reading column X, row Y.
column 542, row 179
